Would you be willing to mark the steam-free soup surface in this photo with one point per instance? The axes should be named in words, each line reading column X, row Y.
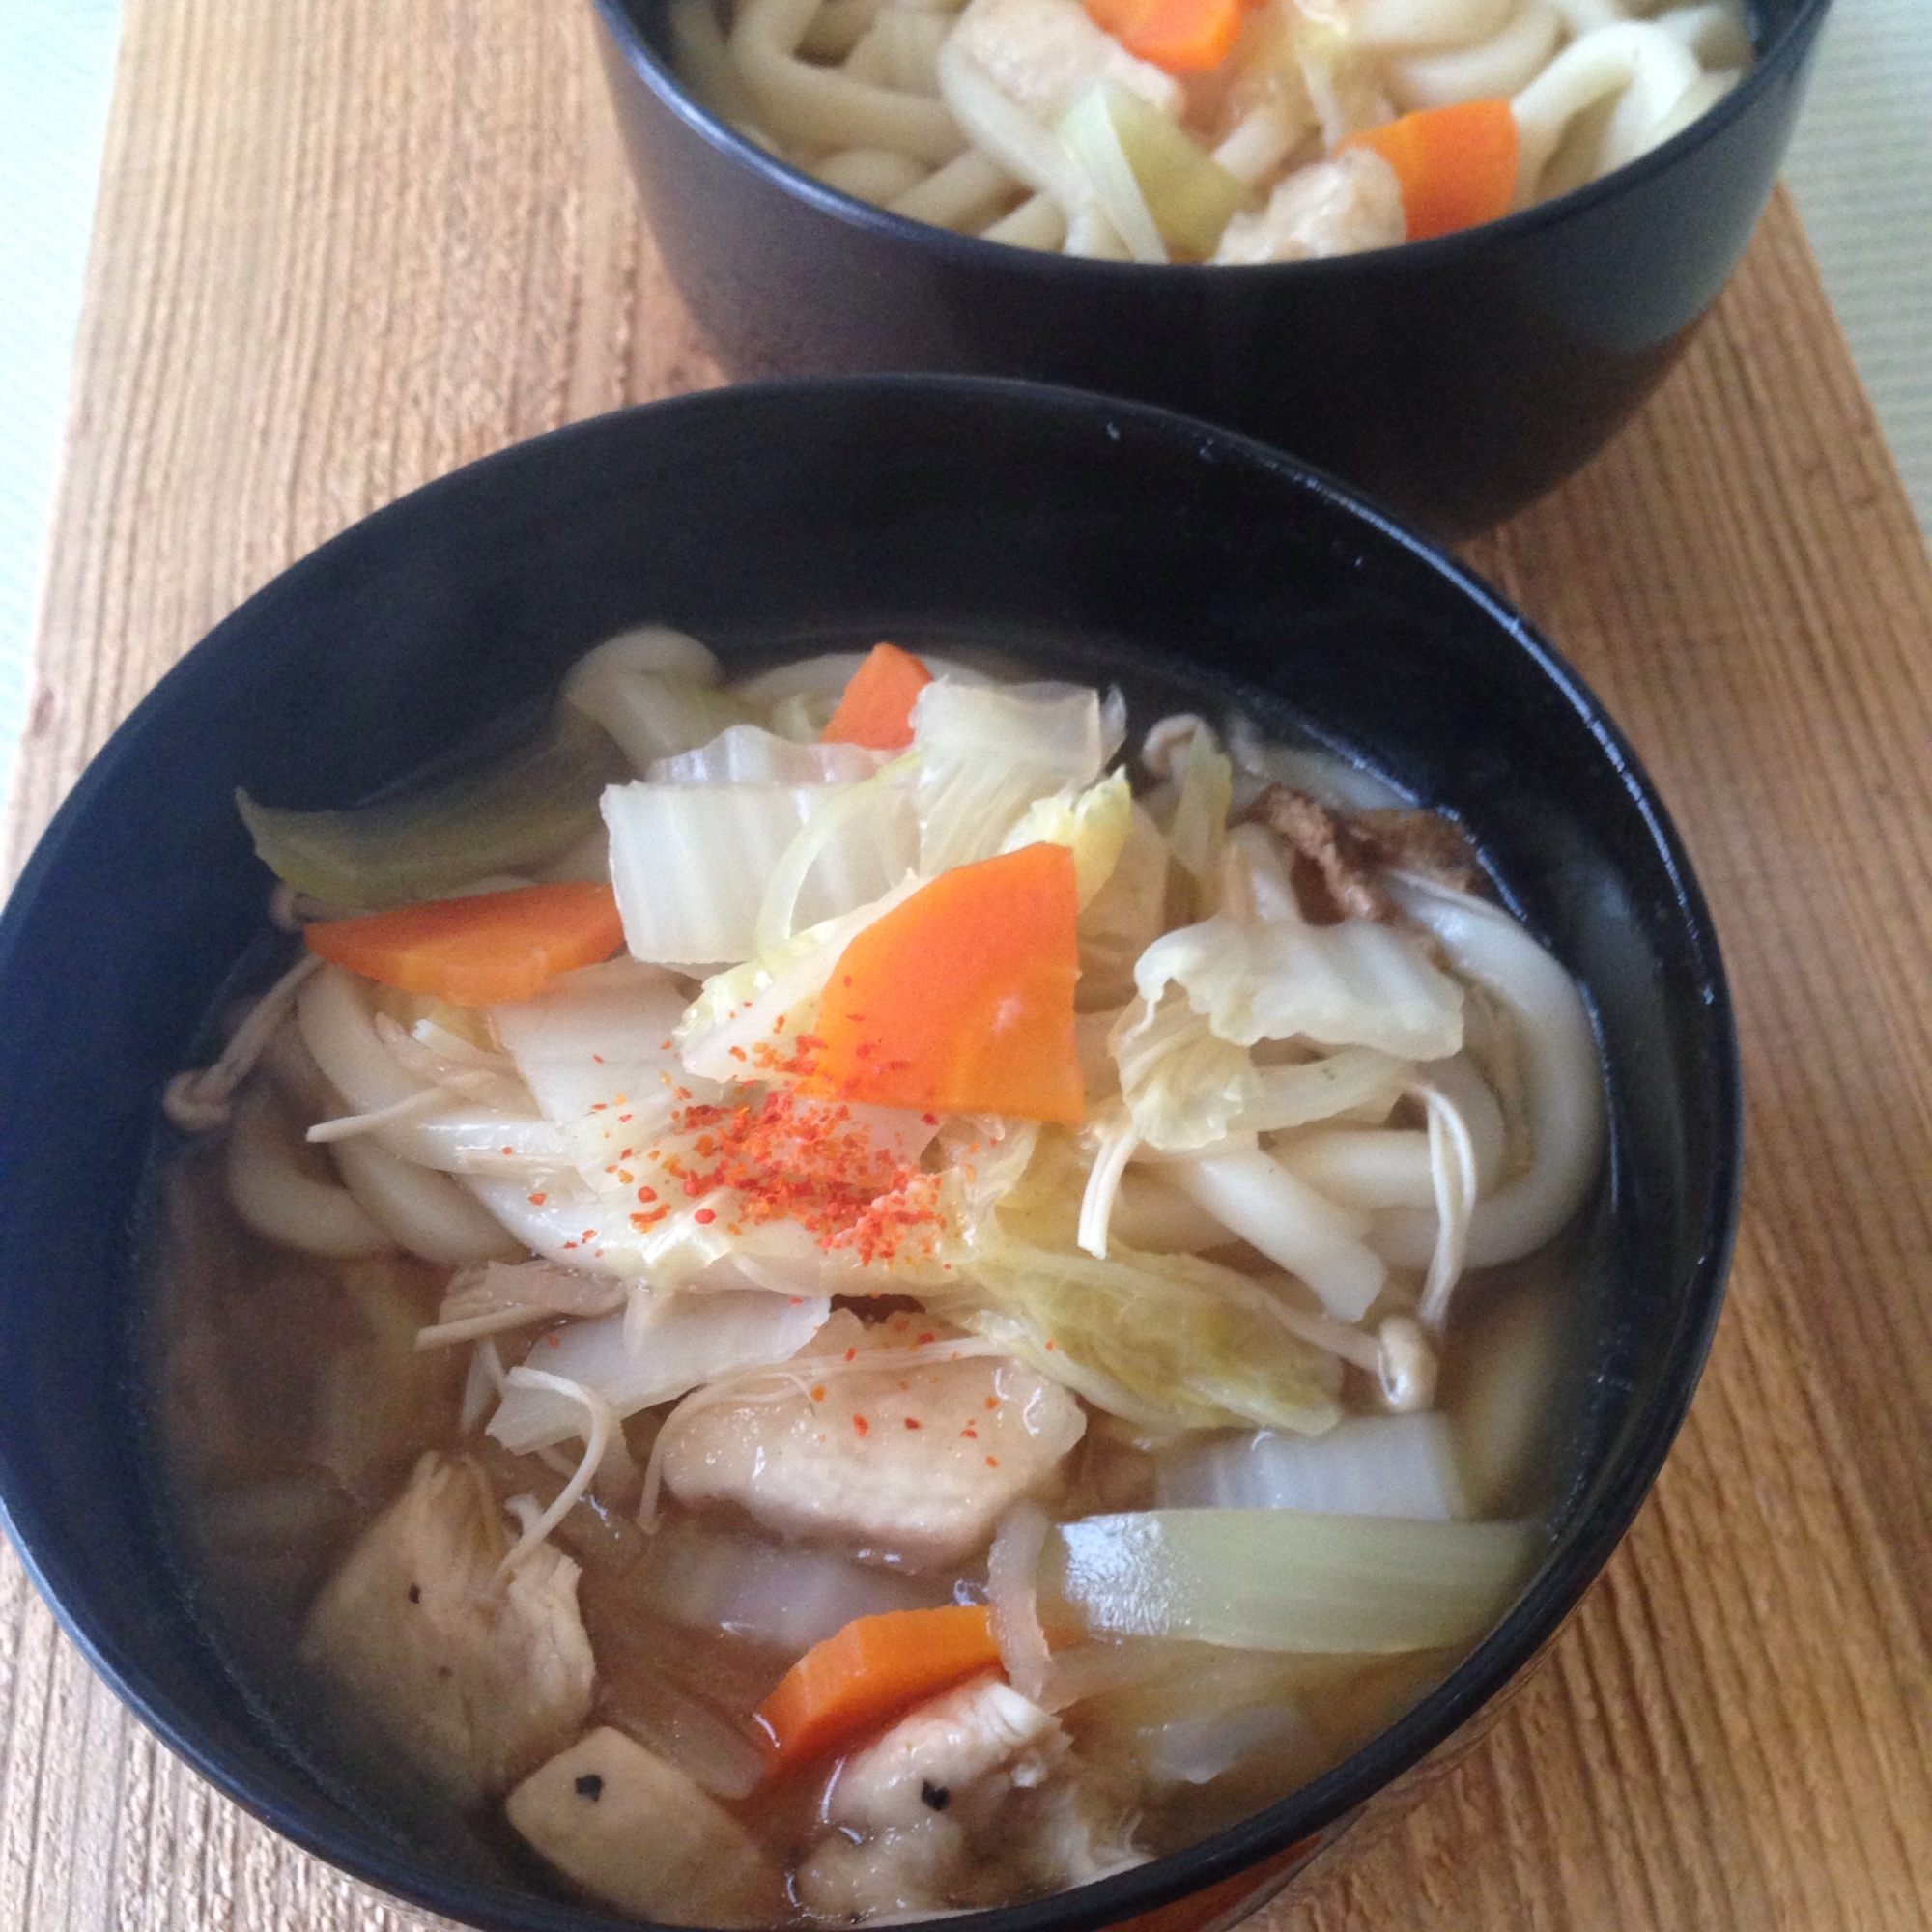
column 823, row 1298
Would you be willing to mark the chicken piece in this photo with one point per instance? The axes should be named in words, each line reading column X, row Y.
column 908, row 1461
column 474, row 1682
column 1045, row 54
column 1340, row 207
column 639, row 1834
column 944, row 1749
column 974, row 1799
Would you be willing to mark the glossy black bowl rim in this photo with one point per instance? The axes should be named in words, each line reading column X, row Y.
column 1770, row 67
column 1483, row 1674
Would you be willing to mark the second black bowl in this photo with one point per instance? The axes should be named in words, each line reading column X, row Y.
column 1458, row 379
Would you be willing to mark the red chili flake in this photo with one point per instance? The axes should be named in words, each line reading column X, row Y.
column 779, row 1024
column 928, row 1336
column 554, row 1341
column 993, row 1402
column 912, row 1422
column 857, row 1019
column 930, row 1119
column 506, row 1150
column 860, row 1424
column 568, row 1246
column 622, row 1117
column 969, row 1433
column 705, row 1217
column 819, row 1393
column 664, row 1046
column 992, row 1462
column 845, row 979
column 850, row 1353
column 538, row 1200
column 1051, row 1345
column 600, row 1106
column 588, row 1234
column 737, row 1053
column 647, row 1194
column 598, row 1058
column 684, row 1092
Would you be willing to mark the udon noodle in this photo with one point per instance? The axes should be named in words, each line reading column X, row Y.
column 1224, row 130
column 817, row 1300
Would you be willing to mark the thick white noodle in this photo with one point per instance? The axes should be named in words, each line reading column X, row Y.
column 699, row 55
column 1502, row 66
column 1452, row 1166
column 1252, row 1195
column 1006, row 130
column 1038, row 222
column 1256, row 146
column 834, row 29
column 1586, row 16
column 822, row 105
column 274, row 1194
column 1364, row 1167
column 429, row 1213
column 1649, row 69
column 870, row 174
column 902, row 50
column 1715, row 31
column 1090, row 234
column 341, row 1037
column 970, row 188
column 1423, row 26
column 1562, row 1075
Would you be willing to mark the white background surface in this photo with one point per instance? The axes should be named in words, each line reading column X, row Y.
column 1860, row 169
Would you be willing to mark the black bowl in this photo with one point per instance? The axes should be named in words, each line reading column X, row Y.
column 1191, row 564
column 1458, row 377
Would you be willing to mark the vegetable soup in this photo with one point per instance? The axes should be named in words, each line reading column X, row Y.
column 842, row 1296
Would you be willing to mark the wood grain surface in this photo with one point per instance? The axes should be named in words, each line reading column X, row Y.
column 344, row 247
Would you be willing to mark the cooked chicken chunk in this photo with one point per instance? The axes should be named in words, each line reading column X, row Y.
column 639, row 1834
column 474, row 1682
column 910, row 1461
column 1044, row 54
column 971, row 1798
column 1329, row 208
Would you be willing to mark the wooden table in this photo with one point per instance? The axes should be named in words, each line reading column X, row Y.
column 344, row 247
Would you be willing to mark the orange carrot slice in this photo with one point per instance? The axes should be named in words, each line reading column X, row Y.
column 477, row 951
column 1456, row 165
column 867, row 1673
column 1177, row 35
column 961, row 999
column 876, row 707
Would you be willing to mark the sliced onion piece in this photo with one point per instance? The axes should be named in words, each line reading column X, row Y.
column 1400, row 1466
column 1289, row 1579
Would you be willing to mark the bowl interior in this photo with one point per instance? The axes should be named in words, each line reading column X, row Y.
column 1099, row 539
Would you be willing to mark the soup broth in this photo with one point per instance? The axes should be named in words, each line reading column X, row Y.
column 832, row 1336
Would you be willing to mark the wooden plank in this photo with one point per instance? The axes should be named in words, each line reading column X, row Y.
column 340, row 250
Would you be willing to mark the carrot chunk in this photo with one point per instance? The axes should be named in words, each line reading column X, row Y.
column 1456, row 165
column 477, row 951
column 1177, row 35
column 960, row 1000
column 865, row 1675
column 876, row 707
